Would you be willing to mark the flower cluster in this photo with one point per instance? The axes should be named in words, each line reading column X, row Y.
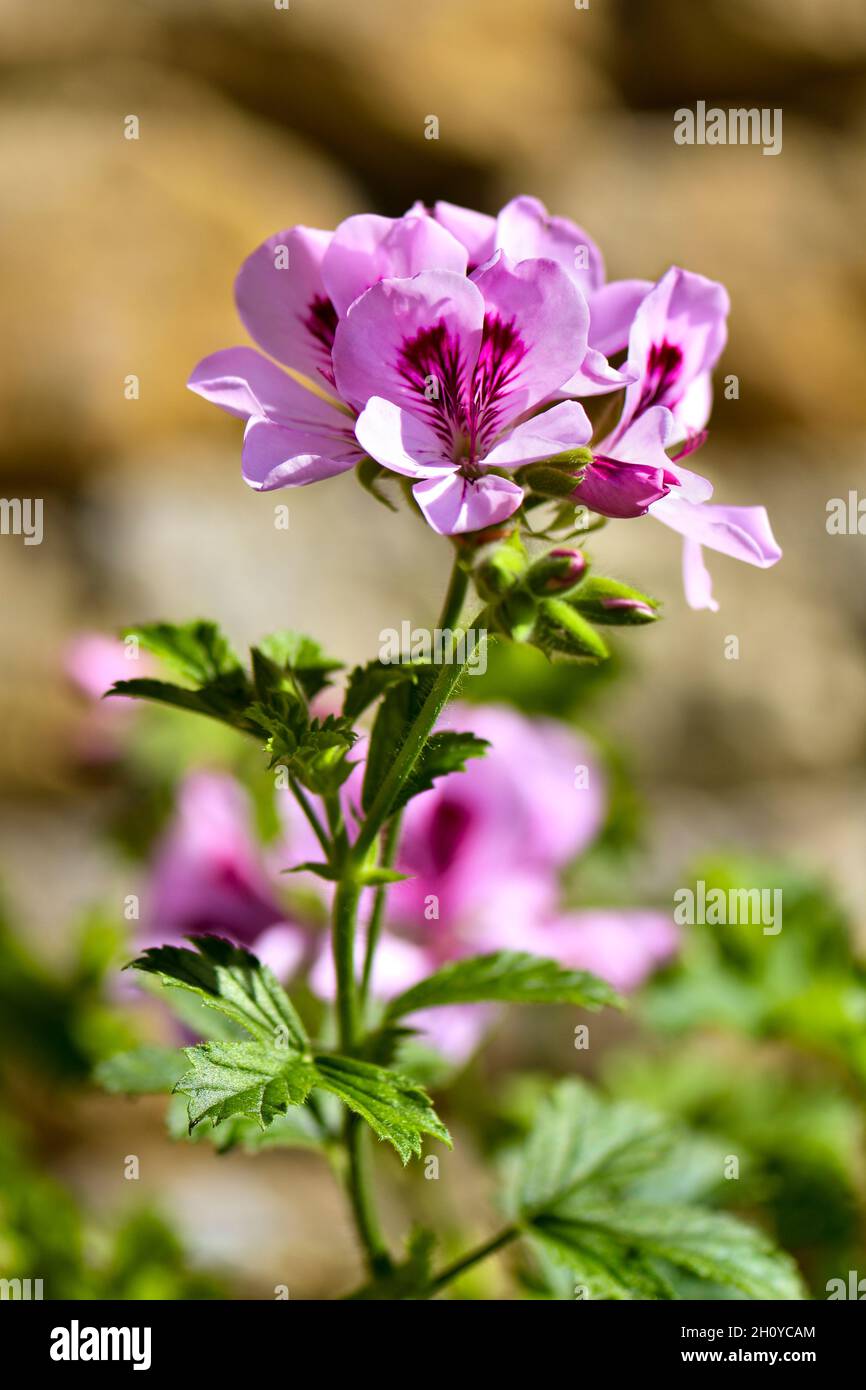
column 454, row 348
column 482, row 853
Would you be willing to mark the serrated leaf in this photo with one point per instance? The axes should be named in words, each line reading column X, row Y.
column 225, row 698
column 249, row 1079
column 507, row 976
column 313, row 751
column 711, row 1245
column 394, row 1107
column 560, row 628
column 443, row 753
column 367, row 683
column 615, row 604
column 232, row 981
column 199, row 651
column 301, row 657
column 141, row 1071
column 573, row 1190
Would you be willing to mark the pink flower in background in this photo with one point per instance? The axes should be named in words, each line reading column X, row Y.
column 209, row 875
column 93, row 662
column 485, row 850
column 442, row 368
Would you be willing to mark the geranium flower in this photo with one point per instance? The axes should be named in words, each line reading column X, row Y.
column 290, row 294
column 444, row 368
column 676, row 339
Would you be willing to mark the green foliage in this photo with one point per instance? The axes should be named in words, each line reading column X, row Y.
column 262, row 1079
column 398, row 711
column 141, row 1071
column 368, row 683
column 507, row 976
column 442, row 753
column 562, row 629
column 573, row 1190
column 409, row 1278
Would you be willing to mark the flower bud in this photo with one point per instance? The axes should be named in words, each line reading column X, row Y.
column 499, row 572
column 557, row 572
column 516, row 615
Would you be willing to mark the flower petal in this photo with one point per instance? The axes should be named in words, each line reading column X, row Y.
column 453, row 505
column 277, row 455
column 697, row 582
column 564, row 426
column 366, row 249
column 611, row 311
column 526, row 231
column 535, row 328
column 474, row 230
column 401, row 441
column 244, row 383
column 741, row 532
column 283, row 304
column 414, row 342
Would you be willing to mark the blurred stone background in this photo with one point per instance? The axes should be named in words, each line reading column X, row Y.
column 117, row 257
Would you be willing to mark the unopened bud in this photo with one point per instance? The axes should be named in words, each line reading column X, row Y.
column 557, row 572
column 499, row 573
column 516, row 615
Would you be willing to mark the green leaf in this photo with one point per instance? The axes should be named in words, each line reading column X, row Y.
column 300, row 657
column 198, row 651
column 398, row 711
column 142, row 1071
column 443, row 753
column 573, row 1190
column 368, row 683
column 313, row 752
column 560, row 628
column 225, row 699
column 231, row 980
column 612, row 603
column 509, row 976
column 369, row 473
column 238, row 1078
column 394, row 1107
column 632, row 1236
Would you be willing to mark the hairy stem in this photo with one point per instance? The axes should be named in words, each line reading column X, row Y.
column 307, row 808
column 390, row 840
column 345, row 911
column 455, row 596
column 474, row 1257
column 361, row 1197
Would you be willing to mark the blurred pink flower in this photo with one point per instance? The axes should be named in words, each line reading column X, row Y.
column 93, row 662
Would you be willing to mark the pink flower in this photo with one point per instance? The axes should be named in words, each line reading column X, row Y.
column 676, row 339
column 443, row 369
column 209, row 876
column 93, row 662
column 290, row 294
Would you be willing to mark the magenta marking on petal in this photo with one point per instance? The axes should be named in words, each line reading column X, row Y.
column 432, row 366
column 502, row 351
column 663, row 370
column 321, row 324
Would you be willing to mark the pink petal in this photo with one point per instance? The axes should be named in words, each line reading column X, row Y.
column 366, row 249
column 453, row 504
column 372, row 342
column 526, row 231
column 547, row 320
column 564, row 426
column 697, row 582
column 244, row 383
column 611, row 311
column 474, row 230
column 741, row 532
column 291, row 456
column 284, row 307
column 401, row 441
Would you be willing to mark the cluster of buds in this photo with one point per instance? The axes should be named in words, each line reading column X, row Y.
column 554, row 603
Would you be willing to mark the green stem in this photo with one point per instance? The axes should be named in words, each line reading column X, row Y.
column 390, row 841
column 343, row 944
column 305, row 805
column 444, row 687
column 361, row 1197
column 455, row 596
column 474, row 1257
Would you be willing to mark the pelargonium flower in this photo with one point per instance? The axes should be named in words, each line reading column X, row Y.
column 93, row 662
column 443, row 370
column 290, row 294
column 209, row 876
column 483, row 852
column 676, row 339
